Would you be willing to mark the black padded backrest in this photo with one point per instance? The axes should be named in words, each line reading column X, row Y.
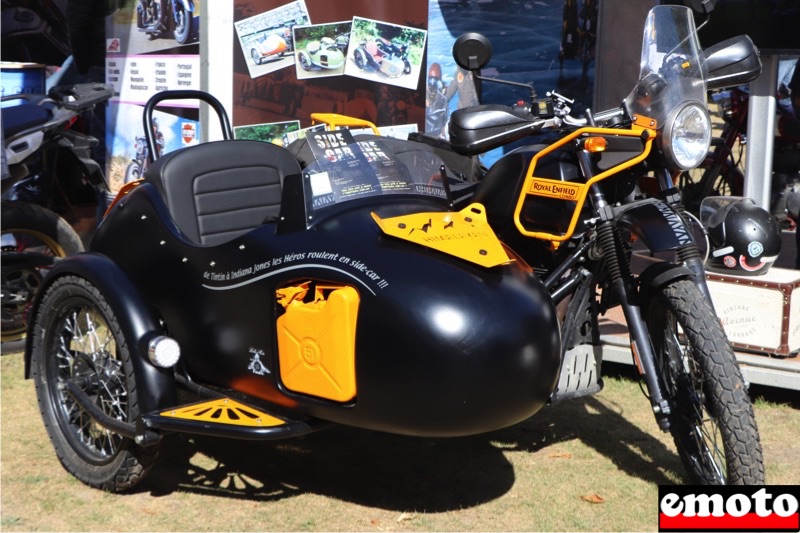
column 219, row 190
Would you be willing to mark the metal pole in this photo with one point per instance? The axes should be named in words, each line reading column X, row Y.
column 761, row 133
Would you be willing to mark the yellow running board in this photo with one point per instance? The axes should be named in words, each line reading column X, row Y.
column 224, row 411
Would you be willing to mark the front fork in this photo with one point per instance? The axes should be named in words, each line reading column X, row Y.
column 618, row 271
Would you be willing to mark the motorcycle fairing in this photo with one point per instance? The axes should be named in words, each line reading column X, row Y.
column 465, row 234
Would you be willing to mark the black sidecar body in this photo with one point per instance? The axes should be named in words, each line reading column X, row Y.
column 232, row 292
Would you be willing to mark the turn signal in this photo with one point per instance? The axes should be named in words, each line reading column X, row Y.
column 595, row 144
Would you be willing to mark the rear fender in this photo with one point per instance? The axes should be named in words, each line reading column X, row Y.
column 138, row 321
column 655, row 223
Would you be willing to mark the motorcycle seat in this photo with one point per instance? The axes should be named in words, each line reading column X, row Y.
column 217, row 191
column 23, row 117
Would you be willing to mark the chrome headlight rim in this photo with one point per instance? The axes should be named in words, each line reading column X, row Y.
column 674, row 145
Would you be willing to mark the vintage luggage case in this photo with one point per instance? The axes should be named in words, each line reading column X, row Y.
column 759, row 313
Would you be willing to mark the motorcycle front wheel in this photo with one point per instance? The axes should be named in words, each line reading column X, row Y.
column 712, row 420
column 133, row 172
column 80, row 354
column 28, row 228
column 184, row 21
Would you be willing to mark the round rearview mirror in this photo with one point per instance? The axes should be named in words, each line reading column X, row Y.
column 472, row 51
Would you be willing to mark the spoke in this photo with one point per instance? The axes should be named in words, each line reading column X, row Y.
column 86, row 349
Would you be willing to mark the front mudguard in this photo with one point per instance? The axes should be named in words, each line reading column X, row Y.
column 657, row 224
column 137, row 320
column 660, row 275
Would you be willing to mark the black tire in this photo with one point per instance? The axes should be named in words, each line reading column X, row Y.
column 255, row 56
column 305, row 62
column 133, row 172
column 78, row 340
column 709, row 401
column 28, row 228
column 406, row 67
column 361, row 60
column 183, row 24
column 728, row 181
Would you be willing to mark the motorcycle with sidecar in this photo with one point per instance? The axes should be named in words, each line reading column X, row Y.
column 251, row 291
column 382, row 55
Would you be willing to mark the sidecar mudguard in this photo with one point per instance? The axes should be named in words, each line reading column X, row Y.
column 137, row 320
column 655, row 223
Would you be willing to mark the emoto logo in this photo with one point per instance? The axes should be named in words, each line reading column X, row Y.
column 728, row 508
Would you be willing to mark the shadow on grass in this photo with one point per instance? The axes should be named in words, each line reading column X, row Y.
column 401, row 473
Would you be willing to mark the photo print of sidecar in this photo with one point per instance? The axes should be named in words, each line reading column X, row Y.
column 271, row 44
column 323, row 54
column 234, row 292
column 384, row 56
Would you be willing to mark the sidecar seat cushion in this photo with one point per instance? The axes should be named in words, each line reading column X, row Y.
column 219, row 190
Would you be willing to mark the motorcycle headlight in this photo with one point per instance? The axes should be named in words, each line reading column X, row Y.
column 687, row 136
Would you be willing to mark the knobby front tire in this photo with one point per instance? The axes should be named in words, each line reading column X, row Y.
column 712, row 420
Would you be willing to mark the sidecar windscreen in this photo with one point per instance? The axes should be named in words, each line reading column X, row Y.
column 339, row 168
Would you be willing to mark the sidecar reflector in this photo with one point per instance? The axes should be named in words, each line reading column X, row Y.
column 164, row 351
column 317, row 343
column 465, row 234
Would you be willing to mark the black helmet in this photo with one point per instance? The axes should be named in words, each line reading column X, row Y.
column 744, row 238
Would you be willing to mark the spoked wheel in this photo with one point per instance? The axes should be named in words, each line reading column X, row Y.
column 712, row 419
column 729, row 181
column 34, row 230
column 80, row 359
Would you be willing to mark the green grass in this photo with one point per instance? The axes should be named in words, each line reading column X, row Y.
column 540, row 475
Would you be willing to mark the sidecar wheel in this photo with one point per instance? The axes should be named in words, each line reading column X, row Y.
column 28, row 228
column 255, row 56
column 361, row 60
column 712, row 419
column 305, row 62
column 78, row 342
